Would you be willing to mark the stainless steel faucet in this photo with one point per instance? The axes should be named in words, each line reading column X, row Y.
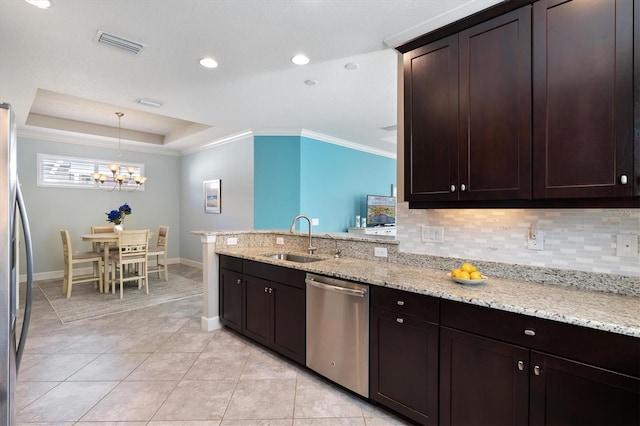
column 311, row 248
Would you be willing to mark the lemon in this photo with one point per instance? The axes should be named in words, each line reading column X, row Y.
column 463, row 275
column 467, row 267
column 456, row 272
column 475, row 275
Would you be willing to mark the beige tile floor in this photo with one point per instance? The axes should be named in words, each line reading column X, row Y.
column 156, row 367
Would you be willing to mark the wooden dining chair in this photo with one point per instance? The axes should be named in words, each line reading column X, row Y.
column 100, row 230
column 132, row 250
column 71, row 259
column 160, row 253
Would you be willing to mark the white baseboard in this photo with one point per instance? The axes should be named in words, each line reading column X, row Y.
column 210, row 324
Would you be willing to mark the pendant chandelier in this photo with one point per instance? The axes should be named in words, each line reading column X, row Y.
column 119, row 178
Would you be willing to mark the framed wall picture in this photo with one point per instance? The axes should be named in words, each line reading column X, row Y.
column 212, row 196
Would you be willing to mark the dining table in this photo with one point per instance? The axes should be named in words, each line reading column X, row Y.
column 107, row 239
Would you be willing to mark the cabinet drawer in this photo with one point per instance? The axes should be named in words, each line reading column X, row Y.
column 279, row 274
column 230, row 263
column 406, row 303
column 612, row 351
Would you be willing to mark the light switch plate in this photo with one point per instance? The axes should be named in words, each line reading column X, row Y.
column 432, row 234
column 536, row 243
column 626, row 245
column 232, row 241
column 380, row 251
column 280, row 241
column 315, row 221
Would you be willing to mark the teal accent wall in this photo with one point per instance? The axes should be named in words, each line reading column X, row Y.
column 276, row 181
column 335, row 181
column 299, row 175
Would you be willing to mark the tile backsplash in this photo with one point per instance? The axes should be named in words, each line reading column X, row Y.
column 574, row 239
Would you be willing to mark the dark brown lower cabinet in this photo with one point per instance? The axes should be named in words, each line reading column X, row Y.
column 266, row 303
column 231, row 299
column 274, row 315
column 257, row 309
column 404, row 365
column 481, row 382
column 565, row 392
column 488, row 382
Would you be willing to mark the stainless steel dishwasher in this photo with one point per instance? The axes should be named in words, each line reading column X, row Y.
column 338, row 331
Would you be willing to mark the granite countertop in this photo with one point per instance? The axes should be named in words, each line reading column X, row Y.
column 599, row 310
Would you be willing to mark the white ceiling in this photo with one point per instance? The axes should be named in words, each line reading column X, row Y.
column 61, row 83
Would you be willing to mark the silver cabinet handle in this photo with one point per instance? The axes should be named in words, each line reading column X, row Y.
column 530, row 332
column 400, row 320
column 623, row 179
column 453, row 188
column 270, row 290
column 537, row 370
column 520, row 365
column 239, row 281
column 400, row 302
column 463, row 187
column 266, row 289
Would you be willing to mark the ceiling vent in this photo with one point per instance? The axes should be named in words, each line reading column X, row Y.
column 119, row 42
column 390, row 128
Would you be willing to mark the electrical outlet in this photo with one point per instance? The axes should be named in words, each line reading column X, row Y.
column 536, row 243
column 232, row 241
column 432, row 234
column 626, row 245
column 280, row 241
column 380, row 251
column 315, row 221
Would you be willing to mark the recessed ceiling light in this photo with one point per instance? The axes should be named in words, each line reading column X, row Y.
column 300, row 60
column 42, row 4
column 311, row 82
column 351, row 66
column 208, row 62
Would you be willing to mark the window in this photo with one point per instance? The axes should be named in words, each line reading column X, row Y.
column 72, row 172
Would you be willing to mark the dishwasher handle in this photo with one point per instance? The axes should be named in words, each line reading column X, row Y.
column 338, row 289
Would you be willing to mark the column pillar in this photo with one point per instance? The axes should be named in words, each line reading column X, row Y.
column 210, row 276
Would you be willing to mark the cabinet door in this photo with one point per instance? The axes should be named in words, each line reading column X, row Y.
column 289, row 321
column 431, row 121
column 231, row 299
column 495, row 108
column 571, row 393
column 404, row 365
column 583, row 98
column 482, row 381
column 256, row 324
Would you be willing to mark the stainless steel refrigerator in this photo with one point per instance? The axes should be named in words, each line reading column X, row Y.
column 12, row 342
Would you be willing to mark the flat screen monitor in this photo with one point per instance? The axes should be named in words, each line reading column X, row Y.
column 381, row 210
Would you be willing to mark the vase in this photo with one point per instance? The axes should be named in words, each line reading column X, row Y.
column 118, row 228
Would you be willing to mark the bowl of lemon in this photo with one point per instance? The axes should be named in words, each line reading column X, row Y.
column 467, row 274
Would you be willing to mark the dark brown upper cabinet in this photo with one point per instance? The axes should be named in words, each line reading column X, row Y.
column 583, row 99
column 431, row 121
column 468, row 113
column 525, row 106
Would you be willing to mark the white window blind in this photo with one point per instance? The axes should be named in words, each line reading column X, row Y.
column 74, row 172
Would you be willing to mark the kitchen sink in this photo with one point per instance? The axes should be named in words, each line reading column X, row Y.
column 293, row 257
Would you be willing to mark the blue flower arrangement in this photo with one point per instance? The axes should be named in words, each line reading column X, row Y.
column 117, row 216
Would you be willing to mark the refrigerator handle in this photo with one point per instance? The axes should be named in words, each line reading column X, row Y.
column 29, row 258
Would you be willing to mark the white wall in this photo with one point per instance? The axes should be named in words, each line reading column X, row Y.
column 574, row 239
column 50, row 209
column 231, row 162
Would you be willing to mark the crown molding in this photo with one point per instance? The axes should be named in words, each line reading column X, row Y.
column 219, row 142
column 94, row 142
column 347, row 144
